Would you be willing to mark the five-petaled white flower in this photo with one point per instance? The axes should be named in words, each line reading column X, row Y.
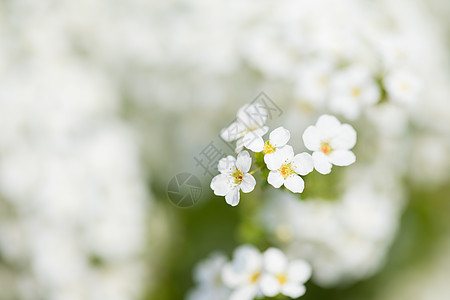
column 244, row 272
column 331, row 142
column 233, row 177
column 248, row 128
column 352, row 90
column 281, row 276
column 286, row 168
column 278, row 138
column 402, row 86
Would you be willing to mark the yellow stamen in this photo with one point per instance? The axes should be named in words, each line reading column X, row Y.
column 356, row 92
column 404, row 87
column 238, row 176
column 282, row 278
column 255, row 276
column 326, row 148
column 268, row 148
column 286, row 170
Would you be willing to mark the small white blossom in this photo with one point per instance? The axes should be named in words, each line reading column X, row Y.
column 233, row 177
column 208, row 275
column 248, row 128
column 278, row 138
column 244, row 272
column 286, row 168
column 402, row 86
column 331, row 142
column 352, row 90
column 281, row 276
column 313, row 82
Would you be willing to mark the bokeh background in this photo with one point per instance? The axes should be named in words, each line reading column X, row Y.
column 103, row 102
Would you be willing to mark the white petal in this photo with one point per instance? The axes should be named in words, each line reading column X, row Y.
column 311, row 138
column 275, row 261
column 232, row 132
column 226, row 164
column 321, row 163
column 294, row 183
column 328, row 126
column 239, row 145
column 220, row 184
column 303, row 163
column 279, row 137
column 346, row 106
column 269, row 285
column 261, row 131
column 293, row 290
column 248, row 183
column 286, row 154
column 233, row 196
column 275, row 179
column 342, row 157
column 299, row 271
column 244, row 293
column 244, row 161
column 345, row 139
column 252, row 115
column 274, row 160
column 229, row 276
column 247, row 258
column 254, row 142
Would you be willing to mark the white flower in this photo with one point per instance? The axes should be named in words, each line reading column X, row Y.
column 402, row 86
column 248, row 128
column 281, row 276
column 278, row 138
column 285, row 169
column 331, row 142
column 313, row 82
column 233, row 177
column 352, row 90
column 208, row 275
column 244, row 272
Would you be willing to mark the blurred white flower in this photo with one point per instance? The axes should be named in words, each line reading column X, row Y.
column 352, row 90
column 278, row 138
column 243, row 273
column 402, row 87
column 313, row 83
column 248, row 128
column 208, row 276
column 331, row 142
column 281, row 276
column 286, row 168
column 233, row 177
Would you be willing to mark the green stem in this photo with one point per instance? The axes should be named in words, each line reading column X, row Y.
column 251, row 172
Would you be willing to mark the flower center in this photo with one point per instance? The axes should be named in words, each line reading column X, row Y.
column 255, row 276
column 286, row 170
column 404, row 87
column 282, row 279
column 268, row 148
column 356, row 92
column 238, row 176
column 323, row 80
column 326, row 148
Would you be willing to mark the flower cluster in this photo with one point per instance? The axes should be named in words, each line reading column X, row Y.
column 330, row 141
column 250, row 274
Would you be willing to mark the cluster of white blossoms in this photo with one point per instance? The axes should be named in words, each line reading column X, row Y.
column 75, row 226
column 330, row 141
column 344, row 239
column 249, row 275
